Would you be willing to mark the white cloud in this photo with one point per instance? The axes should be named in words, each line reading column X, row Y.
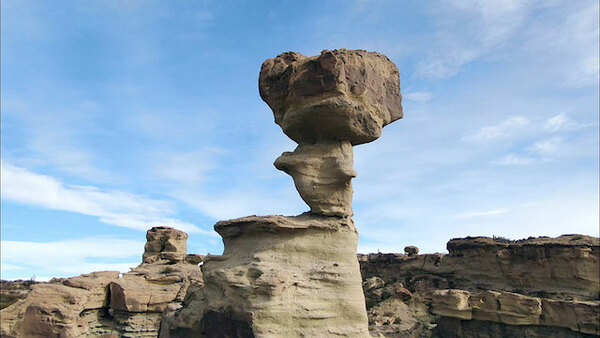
column 239, row 203
column 475, row 214
column 469, row 30
column 562, row 122
column 112, row 207
column 54, row 137
column 417, row 96
column 68, row 257
column 186, row 168
column 499, row 131
column 546, row 147
column 514, row 159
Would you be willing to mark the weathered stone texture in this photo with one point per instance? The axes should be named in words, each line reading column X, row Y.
column 286, row 277
column 102, row 304
column 165, row 243
column 344, row 95
column 322, row 174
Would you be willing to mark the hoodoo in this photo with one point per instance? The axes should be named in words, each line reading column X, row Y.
column 298, row 276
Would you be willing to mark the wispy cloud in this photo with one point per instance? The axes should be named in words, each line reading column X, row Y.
column 562, row 122
column 475, row 214
column 53, row 137
column 515, row 159
column 546, row 147
column 187, row 168
column 68, row 257
column 112, row 207
column 469, row 30
column 499, row 131
column 238, row 203
column 417, row 96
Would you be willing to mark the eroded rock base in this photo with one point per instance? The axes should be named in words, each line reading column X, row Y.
column 285, row 277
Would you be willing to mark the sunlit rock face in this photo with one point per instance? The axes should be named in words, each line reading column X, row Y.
column 298, row 276
column 285, row 277
column 343, row 95
column 110, row 304
column 322, row 174
column 165, row 243
column 327, row 104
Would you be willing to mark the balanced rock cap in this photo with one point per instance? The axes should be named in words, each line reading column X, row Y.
column 339, row 95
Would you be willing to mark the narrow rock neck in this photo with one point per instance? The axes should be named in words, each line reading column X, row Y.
column 322, row 174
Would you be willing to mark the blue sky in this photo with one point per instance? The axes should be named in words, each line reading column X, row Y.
column 120, row 115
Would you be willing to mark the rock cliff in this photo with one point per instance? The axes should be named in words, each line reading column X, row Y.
column 492, row 287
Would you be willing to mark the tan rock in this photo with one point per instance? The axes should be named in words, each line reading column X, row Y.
column 285, row 277
column 165, row 243
column 567, row 266
column 588, row 314
column 97, row 284
column 485, row 306
column 452, row 303
column 194, row 258
column 52, row 310
column 343, row 95
column 186, row 321
column 558, row 313
column 322, row 174
column 516, row 309
column 9, row 317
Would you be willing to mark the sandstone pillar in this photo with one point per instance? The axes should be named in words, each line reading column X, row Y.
column 298, row 276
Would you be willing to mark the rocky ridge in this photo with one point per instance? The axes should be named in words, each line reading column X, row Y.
column 407, row 295
column 489, row 287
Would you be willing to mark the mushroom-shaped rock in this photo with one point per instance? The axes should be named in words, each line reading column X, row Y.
column 411, row 250
column 343, row 95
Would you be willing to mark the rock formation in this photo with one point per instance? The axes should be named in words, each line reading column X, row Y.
column 164, row 243
column 298, row 276
column 489, row 287
column 407, row 295
column 328, row 103
column 104, row 304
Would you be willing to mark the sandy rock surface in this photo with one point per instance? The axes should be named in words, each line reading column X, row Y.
column 104, row 304
column 165, row 243
column 285, row 277
column 322, row 174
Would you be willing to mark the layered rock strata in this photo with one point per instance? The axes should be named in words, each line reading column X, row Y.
column 492, row 287
column 104, row 304
column 285, row 277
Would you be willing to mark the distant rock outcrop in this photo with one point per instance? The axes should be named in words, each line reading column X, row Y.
column 104, row 304
column 493, row 287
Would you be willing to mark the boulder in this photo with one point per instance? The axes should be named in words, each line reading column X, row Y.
column 343, row 95
column 165, row 243
column 411, row 250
